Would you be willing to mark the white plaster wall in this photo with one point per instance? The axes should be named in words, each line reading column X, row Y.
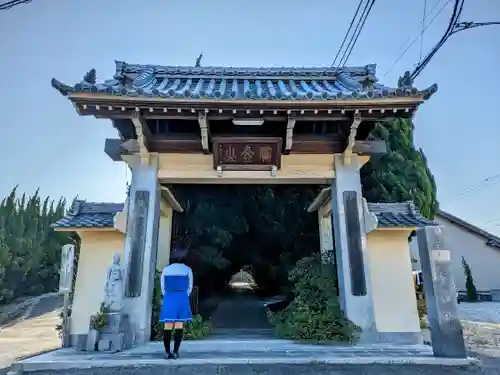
column 164, row 240
column 96, row 253
column 394, row 300
column 484, row 260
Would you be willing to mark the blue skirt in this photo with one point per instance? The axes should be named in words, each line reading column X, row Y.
column 175, row 306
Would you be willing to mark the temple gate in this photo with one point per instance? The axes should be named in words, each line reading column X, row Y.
column 223, row 125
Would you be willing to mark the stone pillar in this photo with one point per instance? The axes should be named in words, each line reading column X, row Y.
column 440, row 294
column 350, row 244
column 140, row 253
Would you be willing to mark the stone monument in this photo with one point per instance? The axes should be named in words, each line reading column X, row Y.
column 440, row 294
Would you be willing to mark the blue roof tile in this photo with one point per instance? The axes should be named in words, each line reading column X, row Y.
column 89, row 215
column 398, row 215
column 229, row 83
column 101, row 215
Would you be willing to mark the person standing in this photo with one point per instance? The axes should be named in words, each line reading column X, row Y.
column 176, row 286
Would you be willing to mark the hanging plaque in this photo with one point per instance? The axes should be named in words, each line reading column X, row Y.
column 255, row 153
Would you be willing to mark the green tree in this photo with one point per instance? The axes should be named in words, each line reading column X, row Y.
column 402, row 174
column 470, row 287
column 229, row 227
column 30, row 249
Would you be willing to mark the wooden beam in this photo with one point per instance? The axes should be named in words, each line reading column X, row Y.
column 143, row 132
column 202, row 120
column 171, row 200
column 289, row 133
column 352, row 138
column 369, row 147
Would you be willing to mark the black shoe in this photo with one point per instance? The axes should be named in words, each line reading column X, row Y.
column 175, row 355
column 169, row 355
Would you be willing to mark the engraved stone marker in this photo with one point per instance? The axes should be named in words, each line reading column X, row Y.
column 440, row 293
column 355, row 248
column 137, row 227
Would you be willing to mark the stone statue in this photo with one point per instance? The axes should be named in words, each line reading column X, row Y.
column 114, row 290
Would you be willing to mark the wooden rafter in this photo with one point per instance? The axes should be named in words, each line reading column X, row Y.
column 143, row 133
column 202, row 120
column 289, row 132
column 351, row 140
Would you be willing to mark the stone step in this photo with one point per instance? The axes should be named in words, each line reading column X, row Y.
column 235, row 352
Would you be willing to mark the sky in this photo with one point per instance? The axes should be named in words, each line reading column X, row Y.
column 46, row 145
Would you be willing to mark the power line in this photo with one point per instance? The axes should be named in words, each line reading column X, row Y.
column 457, row 11
column 357, row 31
column 419, row 27
column 13, row 3
column 422, row 33
column 347, row 33
column 424, row 28
column 481, row 185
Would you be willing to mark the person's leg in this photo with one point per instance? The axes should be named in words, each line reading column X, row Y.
column 178, row 333
column 167, row 336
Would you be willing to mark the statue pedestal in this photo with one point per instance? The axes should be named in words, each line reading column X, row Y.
column 116, row 336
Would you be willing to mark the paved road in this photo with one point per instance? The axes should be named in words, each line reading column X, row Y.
column 486, row 312
column 33, row 333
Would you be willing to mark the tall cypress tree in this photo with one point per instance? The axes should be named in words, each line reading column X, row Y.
column 30, row 250
column 402, row 173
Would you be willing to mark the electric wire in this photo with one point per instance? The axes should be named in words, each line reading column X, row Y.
column 357, row 31
column 481, row 185
column 457, row 11
column 13, row 3
column 424, row 29
column 347, row 33
column 422, row 32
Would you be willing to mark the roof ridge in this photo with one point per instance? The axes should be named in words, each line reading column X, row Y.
column 459, row 221
column 75, row 207
column 120, row 66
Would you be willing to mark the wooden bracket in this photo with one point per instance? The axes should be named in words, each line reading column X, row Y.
column 289, row 133
column 352, row 138
column 143, row 133
column 202, row 120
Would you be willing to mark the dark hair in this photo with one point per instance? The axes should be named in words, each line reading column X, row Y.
column 178, row 254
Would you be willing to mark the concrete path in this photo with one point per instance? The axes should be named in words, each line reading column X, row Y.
column 33, row 332
column 241, row 315
column 483, row 312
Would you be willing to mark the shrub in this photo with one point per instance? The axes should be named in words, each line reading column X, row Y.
column 100, row 320
column 314, row 315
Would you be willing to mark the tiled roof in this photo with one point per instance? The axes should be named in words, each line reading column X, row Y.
column 229, row 83
column 491, row 240
column 89, row 215
column 101, row 215
column 402, row 215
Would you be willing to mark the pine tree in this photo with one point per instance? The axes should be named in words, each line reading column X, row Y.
column 402, row 174
column 470, row 287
